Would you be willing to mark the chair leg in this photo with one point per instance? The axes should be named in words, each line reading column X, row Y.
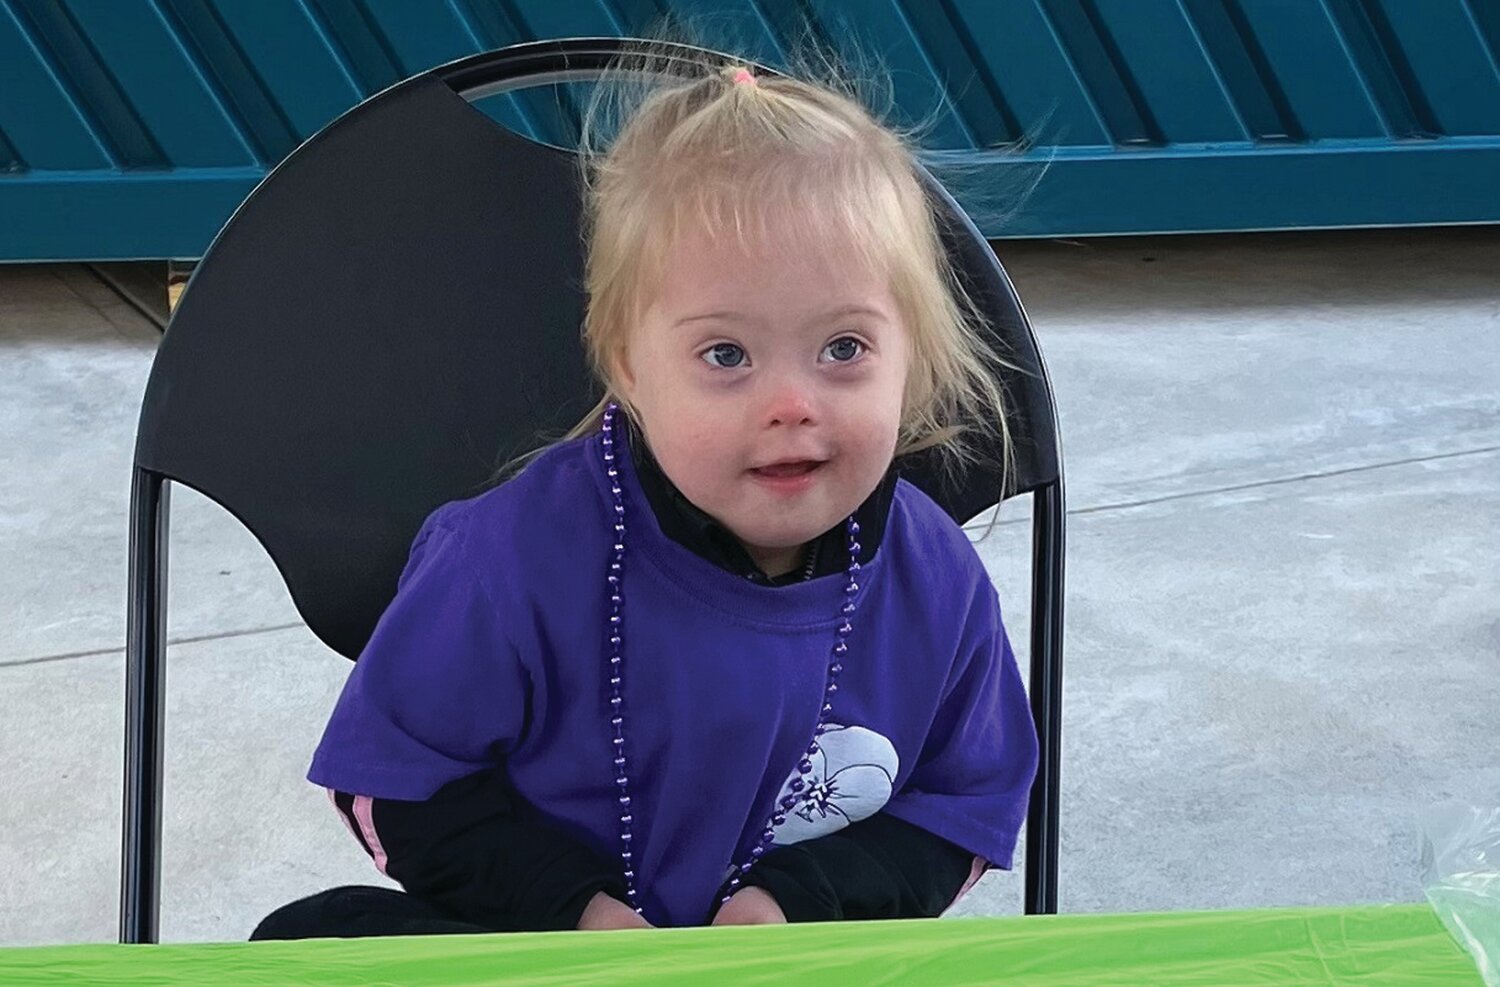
column 1042, row 826
column 145, row 692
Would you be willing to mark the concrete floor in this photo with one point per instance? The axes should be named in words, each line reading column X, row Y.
column 1283, row 638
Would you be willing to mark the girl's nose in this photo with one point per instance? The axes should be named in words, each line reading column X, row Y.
column 791, row 404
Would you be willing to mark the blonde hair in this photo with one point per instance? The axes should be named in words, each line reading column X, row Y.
column 726, row 151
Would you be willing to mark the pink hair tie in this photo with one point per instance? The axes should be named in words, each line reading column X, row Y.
column 742, row 77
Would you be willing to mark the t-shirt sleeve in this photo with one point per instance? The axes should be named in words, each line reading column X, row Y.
column 437, row 693
column 973, row 776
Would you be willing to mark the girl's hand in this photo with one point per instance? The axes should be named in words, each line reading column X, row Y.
column 605, row 912
column 751, row 906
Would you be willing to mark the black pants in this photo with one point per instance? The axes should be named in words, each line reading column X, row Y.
column 356, row 911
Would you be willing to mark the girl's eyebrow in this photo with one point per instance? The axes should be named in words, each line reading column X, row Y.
column 837, row 312
column 724, row 316
column 854, row 309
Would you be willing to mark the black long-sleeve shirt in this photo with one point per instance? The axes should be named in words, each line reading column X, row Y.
column 479, row 853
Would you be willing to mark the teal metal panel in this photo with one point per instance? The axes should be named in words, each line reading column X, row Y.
column 352, row 32
column 1161, row 63
column 1372, row 53
column 740, row 25
column 132, row 128
column 179, row 116
column 1240, row 65
column 1295, row 54
column 876, row 36
column 975, row 98
column 263, row 122
column 1091, row 55
column 305, row 78
column 576, row 19
column 418, row 36
column 64, row 54
column 1445, row 59
column 1020, row 55
column 43, row 125
column 1352, row 185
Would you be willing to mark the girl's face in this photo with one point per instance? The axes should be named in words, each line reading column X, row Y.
column 769, row 382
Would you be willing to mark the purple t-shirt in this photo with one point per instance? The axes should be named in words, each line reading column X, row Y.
column 493, row 652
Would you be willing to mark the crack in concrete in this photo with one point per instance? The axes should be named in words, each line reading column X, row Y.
column 171, row 643
column 1284, row 480
column 1125, row 505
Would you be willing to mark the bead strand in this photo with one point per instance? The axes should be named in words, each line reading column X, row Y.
column 795, row 787
column 616, row 638
column 616, row 579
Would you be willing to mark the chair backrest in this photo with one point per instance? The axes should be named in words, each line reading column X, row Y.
column 394, row 313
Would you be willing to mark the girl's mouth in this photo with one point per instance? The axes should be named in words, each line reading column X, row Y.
column 787, row 478
column 799, row 467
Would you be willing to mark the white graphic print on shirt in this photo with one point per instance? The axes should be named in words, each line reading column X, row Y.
column 851, row 780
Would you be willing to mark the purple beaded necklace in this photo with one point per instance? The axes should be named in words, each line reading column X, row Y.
column 794, row 787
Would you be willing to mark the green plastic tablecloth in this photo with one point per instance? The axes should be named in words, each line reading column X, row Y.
column 1393, row 946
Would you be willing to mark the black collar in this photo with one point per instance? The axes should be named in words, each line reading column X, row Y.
column 684, row 523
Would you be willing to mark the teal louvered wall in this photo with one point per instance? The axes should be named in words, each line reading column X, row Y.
column 132, row 128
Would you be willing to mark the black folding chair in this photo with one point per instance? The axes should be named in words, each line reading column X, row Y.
column 389, row 316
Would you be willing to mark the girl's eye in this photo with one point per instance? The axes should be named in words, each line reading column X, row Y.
column 725, row 355
column 843, row 349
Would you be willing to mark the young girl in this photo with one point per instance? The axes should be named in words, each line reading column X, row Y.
column 710, row 660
